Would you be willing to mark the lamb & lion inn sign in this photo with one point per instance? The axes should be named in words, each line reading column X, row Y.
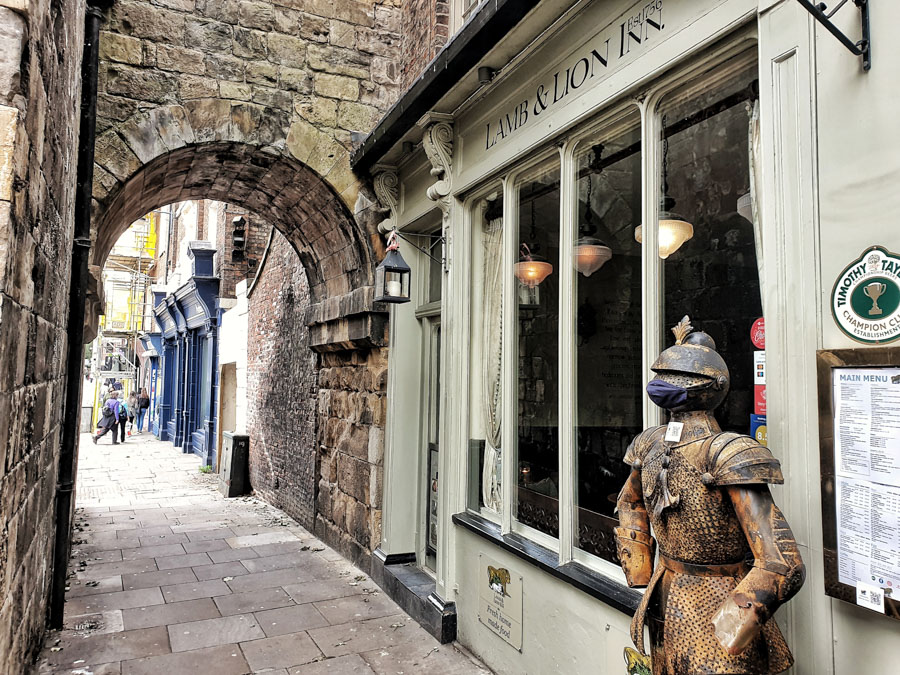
column 605, row 52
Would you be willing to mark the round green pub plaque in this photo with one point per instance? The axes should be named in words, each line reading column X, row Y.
column 865, row 300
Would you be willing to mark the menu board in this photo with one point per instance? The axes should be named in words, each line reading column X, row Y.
column 859, row 407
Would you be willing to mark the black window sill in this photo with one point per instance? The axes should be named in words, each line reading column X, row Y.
column 615, row 595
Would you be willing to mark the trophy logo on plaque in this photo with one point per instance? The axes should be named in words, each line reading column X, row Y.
column 874, row 291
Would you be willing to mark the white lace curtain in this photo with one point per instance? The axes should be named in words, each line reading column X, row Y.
column 492, row 351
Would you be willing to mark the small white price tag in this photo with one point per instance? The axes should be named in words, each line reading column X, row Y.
column 673, row 431
column 870, row 597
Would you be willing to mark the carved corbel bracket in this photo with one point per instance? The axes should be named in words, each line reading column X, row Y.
column 437, row 142
column 387, row 190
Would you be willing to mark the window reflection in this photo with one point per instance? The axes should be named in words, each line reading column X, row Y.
column 608, row 326
column 713, row 276
column 538, row 355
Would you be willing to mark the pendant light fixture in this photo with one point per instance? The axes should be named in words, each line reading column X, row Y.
column 590, row 253
column 529, row 271
column 674, row 230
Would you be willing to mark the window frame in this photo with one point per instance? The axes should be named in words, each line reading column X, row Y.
column 702, row 72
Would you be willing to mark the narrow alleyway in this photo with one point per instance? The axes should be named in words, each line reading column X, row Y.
column 167, row 576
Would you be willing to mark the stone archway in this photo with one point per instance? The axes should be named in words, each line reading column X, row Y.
column 292, row 174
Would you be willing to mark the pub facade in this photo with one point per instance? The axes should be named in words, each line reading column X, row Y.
column 563, row 196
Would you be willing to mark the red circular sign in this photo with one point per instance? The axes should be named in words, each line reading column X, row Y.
column 758, row 333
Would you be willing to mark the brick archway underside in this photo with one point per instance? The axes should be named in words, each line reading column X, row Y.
column 301, row 205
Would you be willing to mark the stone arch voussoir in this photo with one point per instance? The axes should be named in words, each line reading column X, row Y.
column 283, row 168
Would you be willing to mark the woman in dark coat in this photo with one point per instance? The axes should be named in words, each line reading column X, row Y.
column 110, row 419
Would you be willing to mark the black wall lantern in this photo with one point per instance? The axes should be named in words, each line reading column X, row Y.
column 392, row 275
column 238, row 238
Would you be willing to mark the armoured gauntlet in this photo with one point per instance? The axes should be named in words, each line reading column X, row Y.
column 778, row 571
column 634, row 544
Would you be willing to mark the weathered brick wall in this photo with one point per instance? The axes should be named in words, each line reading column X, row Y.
column 352, row 409
column 40, row 58
column 425, row 30
column 281, row 386
column 229, row 268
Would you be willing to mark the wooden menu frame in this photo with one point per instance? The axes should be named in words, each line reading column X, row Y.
column 826, row 361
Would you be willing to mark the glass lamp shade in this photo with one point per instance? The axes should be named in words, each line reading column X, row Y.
column 673, row 232
column 532, row 272
column 590, row 255
column 392, row 279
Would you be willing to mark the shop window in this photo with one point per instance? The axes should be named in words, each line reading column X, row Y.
column 608, row 330
column 537, row 273
column 705, row 179
column 574, row 349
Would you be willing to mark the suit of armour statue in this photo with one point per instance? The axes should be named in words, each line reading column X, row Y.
column 727, row 557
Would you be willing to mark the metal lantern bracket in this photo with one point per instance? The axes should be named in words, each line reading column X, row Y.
column 861, row 48
column 436, row 240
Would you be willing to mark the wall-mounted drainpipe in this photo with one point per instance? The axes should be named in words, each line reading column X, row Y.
column 81, row 247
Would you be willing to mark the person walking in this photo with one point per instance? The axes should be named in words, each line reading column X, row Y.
column 109, row 419
column 123, row 417
column 143, row 407
column 132, row 411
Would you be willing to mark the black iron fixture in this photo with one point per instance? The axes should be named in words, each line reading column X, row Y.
column 392, row 275
column 485, row 74
column 238, row 238
column 862, row 47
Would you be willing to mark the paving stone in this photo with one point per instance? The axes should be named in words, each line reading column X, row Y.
column 220, row 571
column 206, row 535
column 161, row 578
column 423, row 657
column 252, row 601
column 131, row 644
column 187, row 560
column 326, row 589
column 206, row 546
column 152, row 551
column 221, row 660
column 79, row 588
column 97, row 557
column 290, row 620
column 357, row 608
column 351, row 664
column 280, row 548
column 252, row 582
column 163, row 539
column 276, row 562
column 169, row 613
column 211, row 632
column 283, row 651
column 101, row 602
column 231, row 554
column 358, row 637
column 261, row 539
column 200, row 589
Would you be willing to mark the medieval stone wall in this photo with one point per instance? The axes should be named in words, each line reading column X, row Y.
column 40, row 59
column 281, row 386
column 352, row 407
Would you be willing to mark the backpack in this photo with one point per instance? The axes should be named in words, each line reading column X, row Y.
column 123, row 414
column 106, row 411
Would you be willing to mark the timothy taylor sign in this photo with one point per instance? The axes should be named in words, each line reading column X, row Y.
column 865, row 300
column 612, row 46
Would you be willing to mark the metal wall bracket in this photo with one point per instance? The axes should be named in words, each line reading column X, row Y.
column 862, row 47
column 436, row 240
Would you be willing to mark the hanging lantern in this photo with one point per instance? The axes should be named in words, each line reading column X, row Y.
column 529, row 271
column 392, row 275
column 590, row 253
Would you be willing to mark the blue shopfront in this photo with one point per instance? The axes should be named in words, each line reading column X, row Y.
column 150, row 377
column 186, row 387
